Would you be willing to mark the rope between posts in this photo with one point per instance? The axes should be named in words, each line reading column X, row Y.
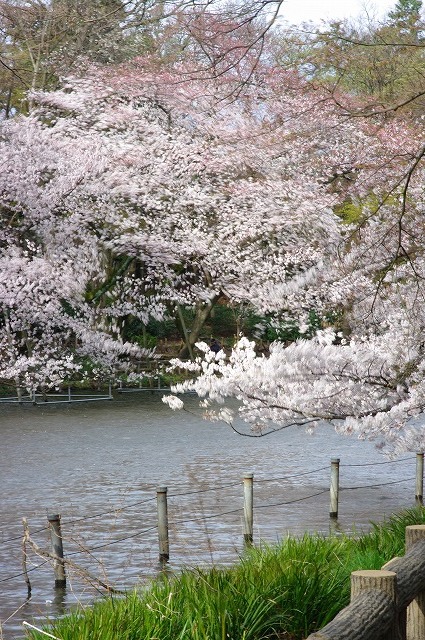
column 105, row 513
column 189, row 493
column 108, row 544
column 294, row 475
column 18, row 575
column 258, row 480
column 372, row 464
column 21, row 536
column 209, row 517
column 279, row 504
column 373, row 486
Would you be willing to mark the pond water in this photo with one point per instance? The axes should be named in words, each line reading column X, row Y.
column 99, row 464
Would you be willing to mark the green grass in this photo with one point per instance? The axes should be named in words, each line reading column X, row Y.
column 284, row 592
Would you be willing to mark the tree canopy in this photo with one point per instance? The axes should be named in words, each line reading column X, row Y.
column 205, row 161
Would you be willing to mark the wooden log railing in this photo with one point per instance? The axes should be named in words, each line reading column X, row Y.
column 388, row 604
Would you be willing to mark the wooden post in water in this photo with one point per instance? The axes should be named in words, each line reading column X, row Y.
column 248, row 508
column 419, row 478
column 416, row 609
column 164, row 548
column 334, row 488
column 57, row 550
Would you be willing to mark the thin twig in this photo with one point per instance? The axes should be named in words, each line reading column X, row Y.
column 92, row 579
column 31, row 626
column 25, row 539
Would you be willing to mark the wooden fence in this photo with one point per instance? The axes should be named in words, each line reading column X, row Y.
column 388, row 604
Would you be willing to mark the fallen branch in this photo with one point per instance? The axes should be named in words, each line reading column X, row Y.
column 93, row 580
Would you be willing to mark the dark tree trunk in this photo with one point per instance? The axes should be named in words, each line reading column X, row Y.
column 202, row 311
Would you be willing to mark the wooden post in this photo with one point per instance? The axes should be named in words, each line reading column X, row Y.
column 334, row 488
column 57, row 550
column 164, row 549
column 248, row 508
column 380, row 582
column 401, row 613
column 368, row 580
column 416, row 609
column 419, row 478
column 372, row 612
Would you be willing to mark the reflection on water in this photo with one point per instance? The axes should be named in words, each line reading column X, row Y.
column 99, row 465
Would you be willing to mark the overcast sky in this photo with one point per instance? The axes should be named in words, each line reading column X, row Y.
column 297, row 11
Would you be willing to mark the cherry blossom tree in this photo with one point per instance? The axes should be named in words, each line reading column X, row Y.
column 48, row 327
column 143, row 203
column 146, row 194
column 364, row 372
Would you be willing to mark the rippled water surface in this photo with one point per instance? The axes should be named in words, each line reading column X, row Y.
column 99, row 464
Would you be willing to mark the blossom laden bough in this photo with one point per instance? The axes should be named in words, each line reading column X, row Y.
column 353, row 384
